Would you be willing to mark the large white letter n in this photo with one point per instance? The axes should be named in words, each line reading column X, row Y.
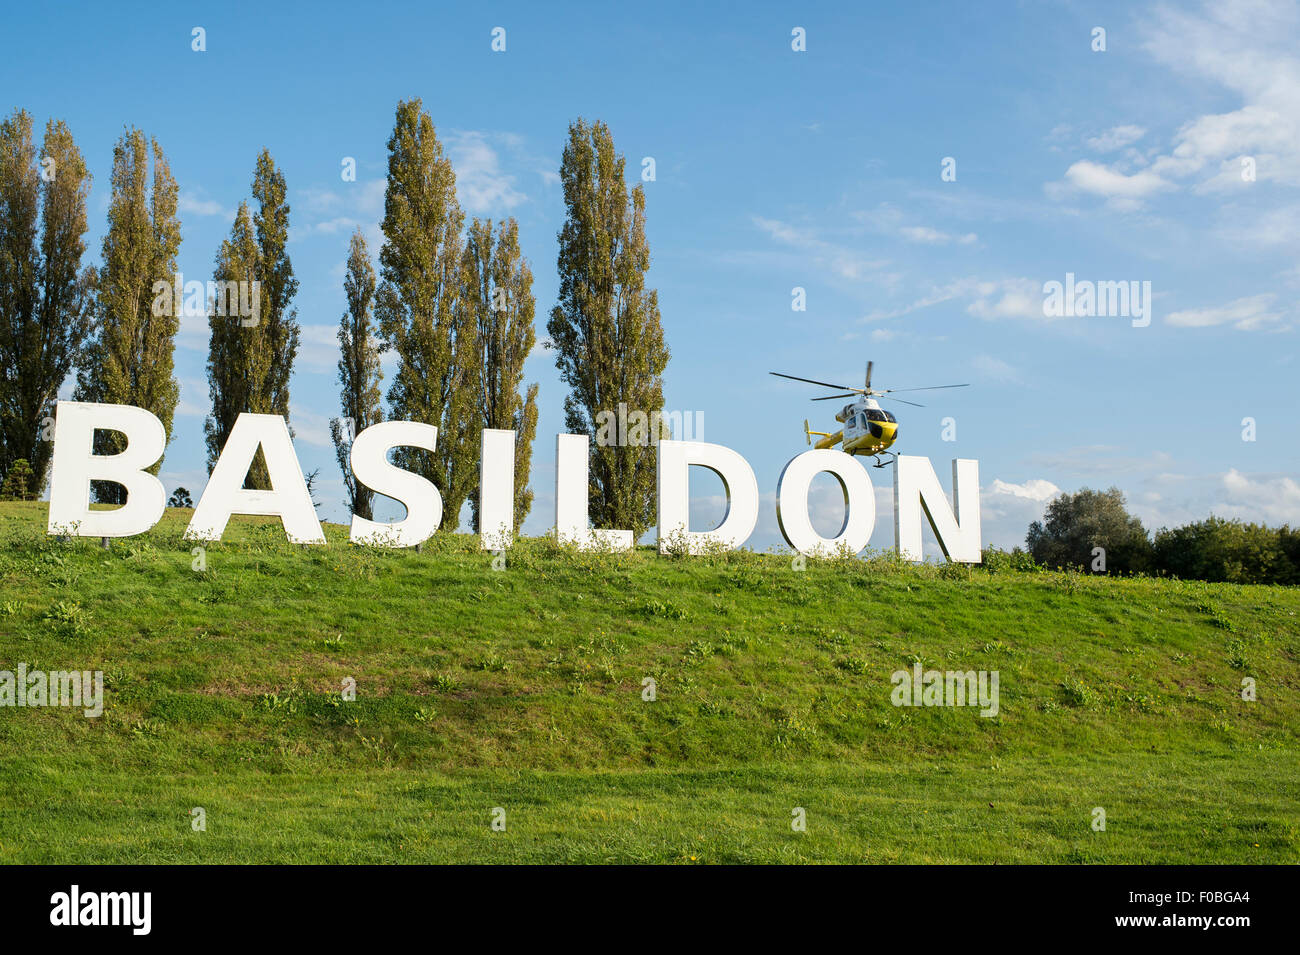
column 917, row 490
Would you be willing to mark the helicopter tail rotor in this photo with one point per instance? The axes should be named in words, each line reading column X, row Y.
column 807, row 432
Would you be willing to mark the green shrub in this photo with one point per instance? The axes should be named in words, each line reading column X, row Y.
column 1226, row 551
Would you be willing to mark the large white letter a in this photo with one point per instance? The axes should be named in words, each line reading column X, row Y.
column 225, row 494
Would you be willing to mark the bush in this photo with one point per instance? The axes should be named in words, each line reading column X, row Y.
column 1289, row 541
column 20, row 483
column 1215, row 549
column 1075, row 524
column 1002, row 561
column 1228, row 551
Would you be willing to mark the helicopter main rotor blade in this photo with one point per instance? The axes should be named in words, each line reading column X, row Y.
column 928, row 388
column 847, row 394
column 867, row 384
column 903, row 400
column 824, row 384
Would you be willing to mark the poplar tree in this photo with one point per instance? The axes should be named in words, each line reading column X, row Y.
column 250, row 358
column 420, row 313
column 46, row 300
column 129, row 358
column 359, row 371
column 231, row 362
column 606, row 327
column 499, row 289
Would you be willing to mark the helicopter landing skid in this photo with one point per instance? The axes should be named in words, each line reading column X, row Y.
column 884, row 464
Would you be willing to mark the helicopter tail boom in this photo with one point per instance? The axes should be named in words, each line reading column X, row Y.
column 828, row 440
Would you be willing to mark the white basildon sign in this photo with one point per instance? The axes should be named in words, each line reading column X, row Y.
column 917, row 492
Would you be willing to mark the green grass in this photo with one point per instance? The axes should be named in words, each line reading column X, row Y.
column 522, row 689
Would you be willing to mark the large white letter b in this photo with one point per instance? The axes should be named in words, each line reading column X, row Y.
column 76, row 464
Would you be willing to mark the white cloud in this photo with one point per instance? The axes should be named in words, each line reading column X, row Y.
column 194, row 401
column 1109, row 182
column 318, row 347
column 1278, row 224
column 363, row 198
column 1060, row 133
column 1117, row 137
column 481, row 184
column 929, row 236
column 1099, row 459
column 193, row 333
column 844, row 258
column 193, row 480
column 1268, row 500
column 1035, row 489
column 352, row 206
column 190, row 204
column 1245, row 314
column 310, row 427
column 337, row 225
column 989, row 299
column 541, row 345
column 889, row 220
column 1008, row 298
column 785, row 233
column 936, row 296
column 995, row 368
column 1160, row 499
column 1169, row 500
column 1244, row 46
column 1007, row 510
column 1249, row 48
column 844, row 261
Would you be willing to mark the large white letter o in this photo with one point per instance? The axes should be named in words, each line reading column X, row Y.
column 792, row 503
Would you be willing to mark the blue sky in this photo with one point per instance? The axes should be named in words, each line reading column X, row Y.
column 775, row 169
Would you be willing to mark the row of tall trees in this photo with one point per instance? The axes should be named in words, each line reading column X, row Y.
column 606, row 327
column 420, row 308
column 129, row 359
column 451, row 301
column 250, row 358
column 454, row 304
column 359, row 371
column 55, row 315
column 500, row 290
column 107, row 323
column 46, row 298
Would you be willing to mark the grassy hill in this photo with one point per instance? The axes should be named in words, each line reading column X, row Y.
column 522, row 689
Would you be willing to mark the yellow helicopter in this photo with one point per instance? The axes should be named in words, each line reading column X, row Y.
column 868, row 429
